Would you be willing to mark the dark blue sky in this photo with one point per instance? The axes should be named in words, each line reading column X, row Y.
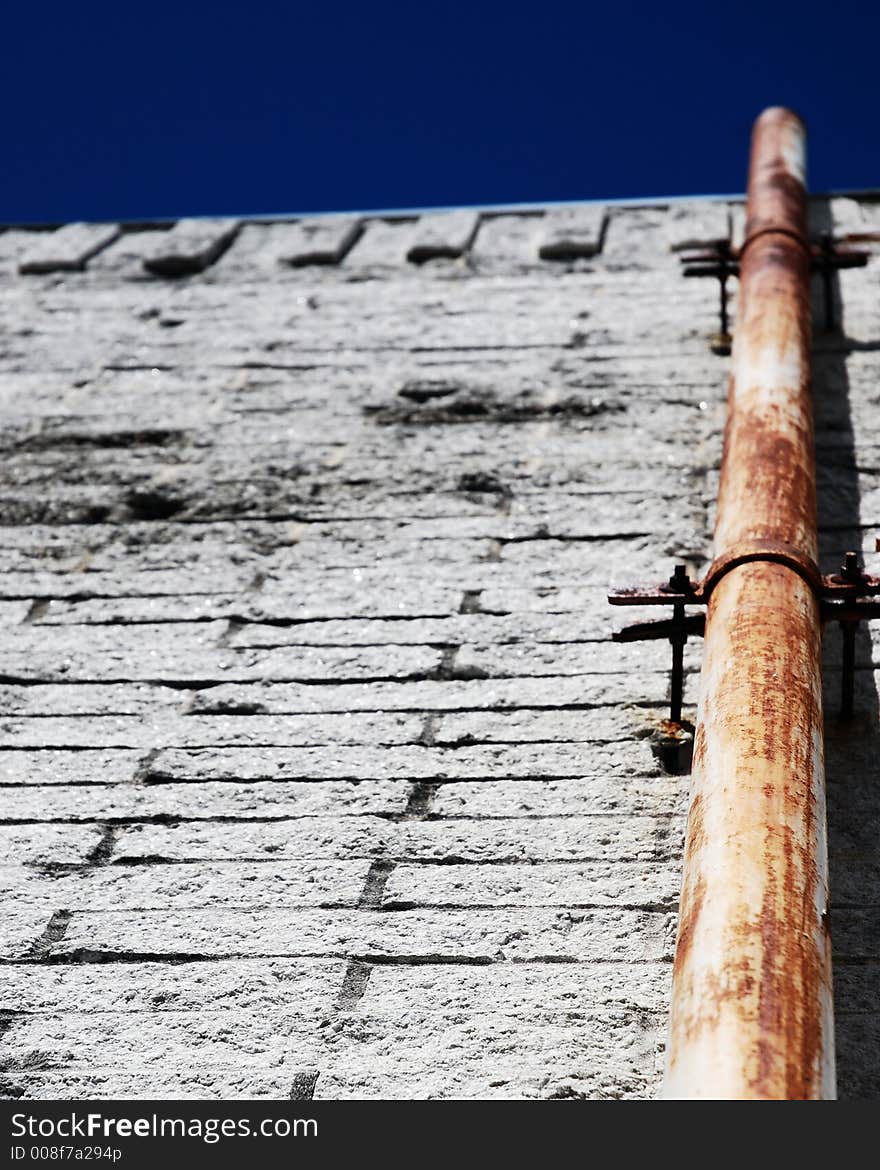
column 124, row 111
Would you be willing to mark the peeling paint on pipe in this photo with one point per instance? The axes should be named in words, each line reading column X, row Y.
column 751, row 1014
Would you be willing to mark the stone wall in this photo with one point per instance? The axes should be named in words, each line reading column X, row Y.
column 321, row 776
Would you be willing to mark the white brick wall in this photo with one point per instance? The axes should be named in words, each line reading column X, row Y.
column 319, row 771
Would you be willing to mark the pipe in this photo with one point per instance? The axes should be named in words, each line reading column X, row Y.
column 751, row 1013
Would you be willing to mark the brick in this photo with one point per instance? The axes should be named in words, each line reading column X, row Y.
column 845, row 218
column 470, row 937
column 609, row 883
column 633, row 838
column 551, row 691
column 442, row 235
column 601, row 725
column 312, row 838
column 634, row 238
column 20, row 928
column 274, row 252
column 161, row 1042
column 124, row 258
column 69, row 249
column 383, row 245
column 455, row 628
column 160, row 583
column 165, row 653
column 568, row 233
column 584, row 658
column 697, row 224
column 226, row 884
column 490, row 761
column 59, row 699
column 269, row 801
column 191, row 246
column 245, row 985
column 320, row 241
column 67, row 767
column 506, row 242
column 146, row 609
column 47, row 844
column 621, row 838
column 14, row 243
column 610, row 1056
column 513, row 988
column 181, row 730
column 601, row 793
column 13, row 613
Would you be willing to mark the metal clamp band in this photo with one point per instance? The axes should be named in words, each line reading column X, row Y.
column 775, row 231
column 775, row 551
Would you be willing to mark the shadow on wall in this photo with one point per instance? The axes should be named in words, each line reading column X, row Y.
column 852, row 747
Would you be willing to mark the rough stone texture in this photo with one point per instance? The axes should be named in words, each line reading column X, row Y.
column 315, row 757
column 571, row 232
column 383, row 245
column 187, row 885
column 696, row 224
column 445, row 235
column 69, row 248
column 320, row 241
column 191, row 246
column 413, row 936
column 507, row 243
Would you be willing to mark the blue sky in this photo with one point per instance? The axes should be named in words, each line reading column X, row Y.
column 116, row 111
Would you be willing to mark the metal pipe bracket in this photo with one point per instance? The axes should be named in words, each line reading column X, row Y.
column 846, row 597
column 719, row 259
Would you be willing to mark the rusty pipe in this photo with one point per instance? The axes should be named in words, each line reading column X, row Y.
column 751, row 1011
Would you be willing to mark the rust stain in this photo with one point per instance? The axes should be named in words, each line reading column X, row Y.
column 692, row 895
column 687, row 926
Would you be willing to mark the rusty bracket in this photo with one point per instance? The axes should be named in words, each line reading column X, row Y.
column 721, row 261
column 678, row 592
column 828, row 258
column 845, row 597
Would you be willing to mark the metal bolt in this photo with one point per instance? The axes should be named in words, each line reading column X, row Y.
column 679, row 582
column 850, row 570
